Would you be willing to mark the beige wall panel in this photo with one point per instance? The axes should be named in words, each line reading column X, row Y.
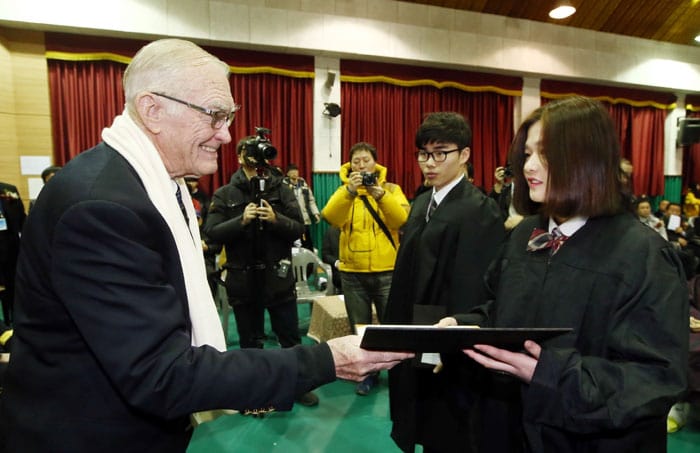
column 30, row 78
column 25, row 122
column 34, row 135
column 7, row 99
column 8, row 135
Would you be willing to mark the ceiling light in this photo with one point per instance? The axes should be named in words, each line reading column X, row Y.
column 562, row 10
column 697, row 38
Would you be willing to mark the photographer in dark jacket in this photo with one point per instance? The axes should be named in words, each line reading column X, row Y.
column 257, row 218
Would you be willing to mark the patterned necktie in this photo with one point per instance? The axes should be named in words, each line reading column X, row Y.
column 178, row 195
column 540, row 239
column 431, row 209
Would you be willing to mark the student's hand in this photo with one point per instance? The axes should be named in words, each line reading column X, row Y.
column 519, row 364
column 353, row 363
column 447, row 322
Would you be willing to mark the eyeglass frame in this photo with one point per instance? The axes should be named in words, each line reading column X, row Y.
column 230, row 116
column 439, row 152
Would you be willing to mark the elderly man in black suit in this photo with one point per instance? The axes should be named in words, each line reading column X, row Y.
column 12, row 217
column 117, row 339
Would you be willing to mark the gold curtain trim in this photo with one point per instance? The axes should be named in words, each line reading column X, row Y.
column 692, row 108
column 108, row 56
column 429, row 82
column 92, row 56
column 612, row 100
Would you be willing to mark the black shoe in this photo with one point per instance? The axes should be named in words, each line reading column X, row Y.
column 307, row 399
column 364, row 387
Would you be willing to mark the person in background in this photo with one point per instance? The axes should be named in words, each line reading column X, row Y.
column 199, row 195
column 12, row 217
column 116, row 337
column 46, row 175
column 648, row 219
column 502, row 192
column 680, row 234
column 579, row 260
column 661, row 211
column 691, row 202
column 200, row 201
column 451, row 236
column 257, row 228
column 369, row 211
column 330, row 255
column 307, row 203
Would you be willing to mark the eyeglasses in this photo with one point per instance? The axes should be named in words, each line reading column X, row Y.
column 438, row 156
column 218, row 117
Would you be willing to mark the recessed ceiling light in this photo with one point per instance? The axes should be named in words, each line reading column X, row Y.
column 562, row 11
column 697, row 38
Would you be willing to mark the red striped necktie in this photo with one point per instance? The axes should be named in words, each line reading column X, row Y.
column 541, row 239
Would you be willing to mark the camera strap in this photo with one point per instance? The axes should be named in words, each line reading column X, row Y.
column 378, row 219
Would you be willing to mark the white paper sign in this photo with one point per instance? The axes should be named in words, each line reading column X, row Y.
column 35, row 186
column 674, row 221
column 34, row 165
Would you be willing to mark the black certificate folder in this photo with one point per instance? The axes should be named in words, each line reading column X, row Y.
column 446, row 339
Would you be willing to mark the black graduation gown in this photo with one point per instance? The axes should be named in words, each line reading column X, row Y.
column 608, row 386
column 439, row 270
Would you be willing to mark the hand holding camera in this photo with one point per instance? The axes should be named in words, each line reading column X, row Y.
column 265, row 212
column 249, row 214
column 376, row 192
column 362, row 178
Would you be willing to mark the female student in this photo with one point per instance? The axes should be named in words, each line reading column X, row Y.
column 580, row 260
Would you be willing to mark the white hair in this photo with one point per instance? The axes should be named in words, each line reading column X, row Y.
column 168, row 66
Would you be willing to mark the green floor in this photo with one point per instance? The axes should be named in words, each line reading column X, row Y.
column 342, row 422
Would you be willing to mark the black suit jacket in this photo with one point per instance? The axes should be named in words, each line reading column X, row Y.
column 101, row 357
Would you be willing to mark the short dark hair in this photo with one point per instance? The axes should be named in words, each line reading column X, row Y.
column 641, row 200
column 363, row 146
column 48, row 171
column 292, row 167
column 240, row 146
column 445, row 127
column 582, row 153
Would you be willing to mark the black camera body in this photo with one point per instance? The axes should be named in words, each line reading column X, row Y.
column 369, row 179
column 507, row 171
column 260, row 147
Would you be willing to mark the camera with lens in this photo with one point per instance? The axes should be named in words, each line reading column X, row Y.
column 507, row 171
column 259, row 147
column 369, row 179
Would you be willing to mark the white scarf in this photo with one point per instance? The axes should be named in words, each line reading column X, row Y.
column 133, row 144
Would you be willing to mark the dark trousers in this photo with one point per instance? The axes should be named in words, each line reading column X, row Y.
column 250, row 322
column 362, row 290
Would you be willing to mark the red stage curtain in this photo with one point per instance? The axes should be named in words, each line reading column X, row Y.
column 384, row 104
column 85, row 86
column 282, row 104
column 639, row 117
column 85, row 96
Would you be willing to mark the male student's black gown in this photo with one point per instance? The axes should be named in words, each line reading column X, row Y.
column 439, row 270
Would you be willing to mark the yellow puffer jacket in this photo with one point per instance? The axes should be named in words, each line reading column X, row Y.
column 363, row 245
column 691, row 206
